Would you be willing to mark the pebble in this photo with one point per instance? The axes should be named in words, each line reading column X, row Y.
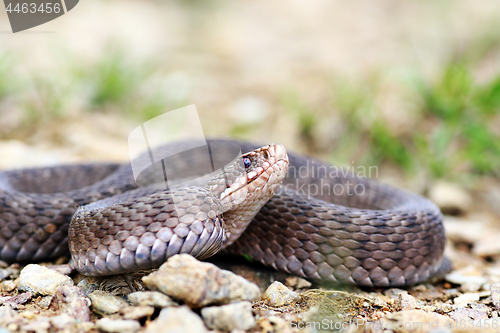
column 40, row 280
column 89, row 284
column 393, row 293
column 199, row 284
column 137, row 312
column 62, row 321
column 488, row 245
column 8, row 285
column 465, row 299
column 495, row 295
column 14, row 301
column 9, row 272
column 105, row 303
column 71, row 301
column 465, row 230
column 229, row 317
column 44, row 302
column 278, row 294
column 466, row 314
column 63, row 269
column 297, row 282
column 39, row 325
column 406, row 302
column 151, row 298
column 176, row 320
column 9, row 316
column 451, row 198
column 118, row 325
column 274, row 324
column 429, row 321
column 493, row 197
column 467, row 275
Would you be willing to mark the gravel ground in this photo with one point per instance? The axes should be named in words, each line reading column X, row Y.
column 51, row 297
column 234, row 61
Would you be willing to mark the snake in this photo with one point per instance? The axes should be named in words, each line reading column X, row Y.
column 287, row 211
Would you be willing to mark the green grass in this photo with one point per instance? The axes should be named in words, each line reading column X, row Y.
column 456, row 129
column 112, row 83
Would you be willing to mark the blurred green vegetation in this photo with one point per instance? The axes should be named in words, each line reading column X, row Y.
column 455, row 127
column 455, row 130
column 111, row 83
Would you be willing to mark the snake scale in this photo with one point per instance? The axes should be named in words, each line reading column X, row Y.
column 261, row 205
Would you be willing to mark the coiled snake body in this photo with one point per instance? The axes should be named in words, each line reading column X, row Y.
column 309, row 221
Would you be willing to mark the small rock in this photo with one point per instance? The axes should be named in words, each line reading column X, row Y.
column 199, row 283
column 9, row 316
column 278, row 295
column 14, row 301
column 470, row 287
column 406, row 302
column 44, row 302
column 466, row 275
column 430, row 321
column 429, row 308
column 62, row 321
column 28, row 314
column 9, row 272
column 465, row 230
column 465, row 299
column 273, row 324
column 488, row 244
column 137, row 312
column 117, row 325
column 71, row 301
column 89, row 284
column 105, row 303
column 40, row 280
column 151, row 298
column 176, row 320
column 450, row 198
column 495, row 295
column 466, row 314
column 380, row 302
column 297, row 282
column 63, row 269
column 229, row 317
column 8, row 285
column 493, row 197
column 39, row 325
column 393, row 293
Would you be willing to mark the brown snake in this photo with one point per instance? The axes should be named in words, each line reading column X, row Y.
column 371, row 234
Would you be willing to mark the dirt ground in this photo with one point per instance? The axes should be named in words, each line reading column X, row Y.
column 236, row 61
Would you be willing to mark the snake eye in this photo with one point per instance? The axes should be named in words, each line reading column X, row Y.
column 247, row 162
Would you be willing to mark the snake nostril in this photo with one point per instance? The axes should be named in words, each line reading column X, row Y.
column 266, row 154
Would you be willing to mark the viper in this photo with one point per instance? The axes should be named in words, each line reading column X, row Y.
column 287, row 211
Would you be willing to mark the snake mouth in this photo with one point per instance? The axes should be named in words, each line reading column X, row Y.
column 265, row 167
column 269, row 159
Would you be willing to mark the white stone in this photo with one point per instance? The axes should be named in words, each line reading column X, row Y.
column 40, row 280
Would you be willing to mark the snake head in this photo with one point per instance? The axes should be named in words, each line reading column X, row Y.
column 252, row 180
